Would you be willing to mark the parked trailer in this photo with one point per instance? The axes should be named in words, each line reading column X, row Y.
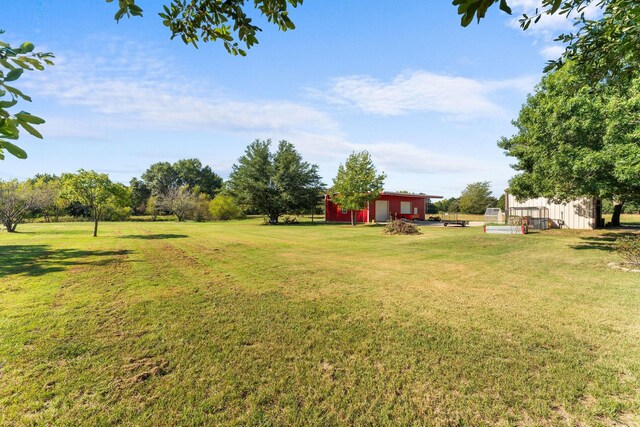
column 453, row 220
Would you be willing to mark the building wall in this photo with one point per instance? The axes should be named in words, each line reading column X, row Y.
column 333, row 212
column 578, row 214
column 395, row 206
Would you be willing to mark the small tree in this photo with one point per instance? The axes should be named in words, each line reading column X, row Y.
column 357, row 183
column 16, row 201
column 94, row 190
column 152, row 207
column 180, row 201
column 224, row 208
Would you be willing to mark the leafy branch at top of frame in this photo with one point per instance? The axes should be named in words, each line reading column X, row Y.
column 210, row 20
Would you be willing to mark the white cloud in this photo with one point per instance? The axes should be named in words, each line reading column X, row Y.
column 402, row 157
column 456, row 98
column 552, row 52
column 134, row 90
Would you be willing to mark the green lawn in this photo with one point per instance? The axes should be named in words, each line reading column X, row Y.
column 246, row 324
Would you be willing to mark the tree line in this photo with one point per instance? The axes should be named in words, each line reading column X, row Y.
column 264, row 181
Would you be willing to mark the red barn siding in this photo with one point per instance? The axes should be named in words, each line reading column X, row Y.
column 333, row 213
column 368, row 214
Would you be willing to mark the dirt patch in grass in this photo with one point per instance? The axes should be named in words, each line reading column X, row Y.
column 137, row 370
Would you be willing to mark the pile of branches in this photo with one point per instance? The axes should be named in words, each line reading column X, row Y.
column 399, row 226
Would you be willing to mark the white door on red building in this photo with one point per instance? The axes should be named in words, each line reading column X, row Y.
column 382, row 210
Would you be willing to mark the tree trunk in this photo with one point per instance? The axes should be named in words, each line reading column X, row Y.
column 617, row 210
column 273, row 218
column 9, row 226
column 95, row 223
column 353, row 218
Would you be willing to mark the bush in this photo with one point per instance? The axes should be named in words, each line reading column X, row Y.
column 399, row 226
column 117, row 214
column 629, row 249
column 224, row 208
column 201, row 211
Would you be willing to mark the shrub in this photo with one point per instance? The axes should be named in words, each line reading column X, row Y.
column 629, row 249
column 399, row 226
column 117, row 213
column 201, row 211
column 224, row 208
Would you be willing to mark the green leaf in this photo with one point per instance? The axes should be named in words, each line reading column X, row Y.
column 13, row 149
column 31, row 130
column 505, row 7
column 27, row 117
column 13, row 75
column 27, row 47
column 8, row 104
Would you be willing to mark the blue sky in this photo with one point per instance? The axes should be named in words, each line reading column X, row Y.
column 401, row 79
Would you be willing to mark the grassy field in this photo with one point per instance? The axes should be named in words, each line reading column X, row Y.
column 628, row 219
column 246, row 324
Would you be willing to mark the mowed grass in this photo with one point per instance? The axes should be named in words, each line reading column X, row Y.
column 244, row 324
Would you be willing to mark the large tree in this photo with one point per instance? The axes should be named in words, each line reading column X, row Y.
column 576, row 141
column 198, row 178
column 94, row 190
column 274, row 183
column 476, row 198
column 357, row 183
column 160, row 177
column 14, row 60
column 164, row 176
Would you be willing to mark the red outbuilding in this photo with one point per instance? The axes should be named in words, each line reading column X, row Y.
column 387, row 206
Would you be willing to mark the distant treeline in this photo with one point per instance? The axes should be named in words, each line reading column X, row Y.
column 265, row 183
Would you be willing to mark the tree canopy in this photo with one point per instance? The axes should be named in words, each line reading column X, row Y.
column 274, row 183
column 607, row 47
column 162, row 177
column 576, row 141
column 476, row 198
column 210, row 20
column 357, row 183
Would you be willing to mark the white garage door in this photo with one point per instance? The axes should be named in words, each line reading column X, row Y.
column 382, row 210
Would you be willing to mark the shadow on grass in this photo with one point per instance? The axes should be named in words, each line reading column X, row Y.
column 603, row 242
column 37, row 260
column 154, row 236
